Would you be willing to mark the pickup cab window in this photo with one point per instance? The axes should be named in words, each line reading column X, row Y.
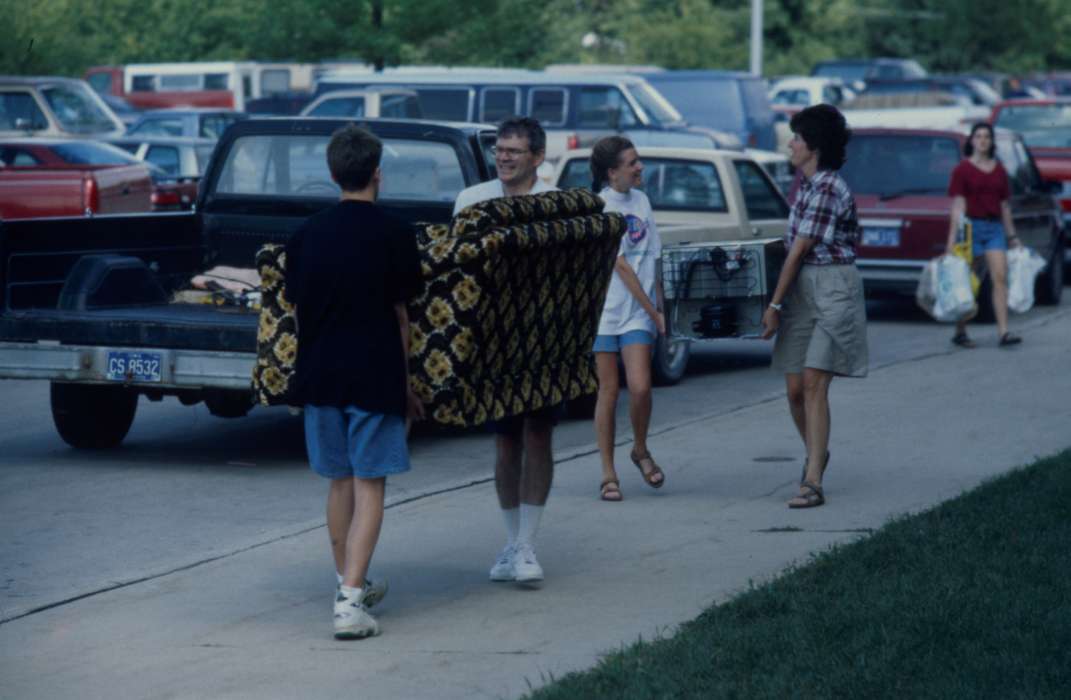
column 76, row 111
column 400, row 107
column 669, row 184
column 18, row 110
column 13, row 157
column 760, row 198
column 158, row 127
column 426, row 171
column 167, row 157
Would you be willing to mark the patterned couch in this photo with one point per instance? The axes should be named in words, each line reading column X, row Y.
column 513, row 292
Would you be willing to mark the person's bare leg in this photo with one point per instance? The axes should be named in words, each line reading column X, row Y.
column 794, row 392
column 508, row 470
column 637, row 360
column 339, row 517
column 364, row 529
column 997, row 262
column 606, row 410
column 538, row 472
column 816, row 405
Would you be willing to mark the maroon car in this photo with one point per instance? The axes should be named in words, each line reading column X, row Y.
column 1045, row 126
column 900, row 181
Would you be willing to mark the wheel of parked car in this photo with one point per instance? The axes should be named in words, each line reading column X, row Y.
column 91, row 416
column 1049, row 287
column 670, row 360
column 228, row 404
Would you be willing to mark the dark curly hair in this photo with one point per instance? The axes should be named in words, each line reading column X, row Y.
column 968, row 148
column 824, row 129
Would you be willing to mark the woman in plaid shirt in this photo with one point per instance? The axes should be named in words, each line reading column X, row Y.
column 817, row 309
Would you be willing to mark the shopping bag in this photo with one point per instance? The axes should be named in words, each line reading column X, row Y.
column 954, row 298
column 1024, row 265
column 964, row 248
column 926, row 291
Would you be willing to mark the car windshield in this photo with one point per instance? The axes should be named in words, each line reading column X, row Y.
column 715, row 103
column 670, row 183
column 894, row 165
column 76, row 109
column 426, row 171
column 84, row 153
column 1042, row 126
column 655, row 105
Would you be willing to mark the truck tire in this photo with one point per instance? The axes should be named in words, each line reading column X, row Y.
column 228, row 404
column 92, row 416
column 669, row 360
column 1049, row 287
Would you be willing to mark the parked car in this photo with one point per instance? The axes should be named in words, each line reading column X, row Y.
column 969, row 90
column 392, row 103
column 126, row 112
column 1045, row 126
column 54, row 107
column 856, row 72
column 900, row 181
column 721, row 220
column 282, row 104
column 191, row 122
column 181, row 160
column 729, row 101
column 575, row 108
column 789, row 95
column 54, row 177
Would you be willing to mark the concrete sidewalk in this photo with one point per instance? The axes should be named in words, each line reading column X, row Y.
column 258, row 623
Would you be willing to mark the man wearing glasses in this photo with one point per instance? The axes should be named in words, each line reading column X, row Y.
column 524, row 465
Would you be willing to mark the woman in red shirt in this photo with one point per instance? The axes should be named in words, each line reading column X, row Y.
column 979, row 189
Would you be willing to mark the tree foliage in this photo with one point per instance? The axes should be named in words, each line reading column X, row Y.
column 67, row 36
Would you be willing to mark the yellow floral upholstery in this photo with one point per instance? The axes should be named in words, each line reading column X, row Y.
column 513, row 292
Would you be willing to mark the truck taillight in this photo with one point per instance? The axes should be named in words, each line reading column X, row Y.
column 165, row 198
column 1065, row 204
column 572, row 141
column 90, row 195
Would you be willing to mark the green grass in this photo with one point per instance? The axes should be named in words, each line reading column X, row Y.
column 970, row 599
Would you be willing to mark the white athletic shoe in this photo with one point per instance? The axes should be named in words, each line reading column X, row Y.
column 502, row 569
column 374, row 592
column 525, row 567
column 352, row 620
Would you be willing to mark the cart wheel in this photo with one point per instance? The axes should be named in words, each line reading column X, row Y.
column 670, row 360
column 91, row 416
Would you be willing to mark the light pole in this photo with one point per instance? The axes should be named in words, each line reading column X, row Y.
column 756, row 37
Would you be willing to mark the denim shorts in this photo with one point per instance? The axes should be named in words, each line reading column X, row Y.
column 346, row 442
column 987, row 235
column 614, row 343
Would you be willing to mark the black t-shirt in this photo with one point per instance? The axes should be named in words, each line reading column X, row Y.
column 346, row 267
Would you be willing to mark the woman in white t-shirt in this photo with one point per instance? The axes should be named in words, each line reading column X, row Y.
column 632, row 315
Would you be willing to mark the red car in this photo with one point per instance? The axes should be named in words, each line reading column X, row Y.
column 900, row 181
column 1045, row 126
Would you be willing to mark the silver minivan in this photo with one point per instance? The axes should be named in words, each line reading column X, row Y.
column 54, row 107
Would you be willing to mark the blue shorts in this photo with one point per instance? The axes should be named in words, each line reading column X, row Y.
column 347, row 442
column 614, row 343
column 987, row 235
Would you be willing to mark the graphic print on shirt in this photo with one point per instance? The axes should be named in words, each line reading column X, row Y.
column 637, row 228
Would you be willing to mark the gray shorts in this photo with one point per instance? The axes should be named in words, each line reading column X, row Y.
column 823, row 323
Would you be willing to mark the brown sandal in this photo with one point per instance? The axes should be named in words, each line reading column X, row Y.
column 608, row 489
column 637, row 458
column 812, row 497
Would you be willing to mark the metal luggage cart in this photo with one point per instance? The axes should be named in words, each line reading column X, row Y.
column 719, row 290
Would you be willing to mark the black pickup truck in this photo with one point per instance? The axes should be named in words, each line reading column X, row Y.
column 90, row 303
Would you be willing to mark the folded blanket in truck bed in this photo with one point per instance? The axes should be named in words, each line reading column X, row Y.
column 513, row 292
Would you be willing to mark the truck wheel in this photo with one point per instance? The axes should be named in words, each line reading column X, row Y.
column 1050, row 284
column 670, row 360
column 91, row 416
column 228, row 404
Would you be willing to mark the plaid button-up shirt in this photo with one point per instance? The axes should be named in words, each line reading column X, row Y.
column 824, row 209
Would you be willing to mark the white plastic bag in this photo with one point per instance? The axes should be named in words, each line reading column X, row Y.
column 954, row 299
column 926, row 292
column 1024, row 265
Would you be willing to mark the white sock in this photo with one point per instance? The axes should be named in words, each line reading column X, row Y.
column 351, row 593
column 513, row 524
column 530, row 516
column 338, row 577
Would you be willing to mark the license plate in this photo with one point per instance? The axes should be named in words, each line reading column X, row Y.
column 885, row 237
column 134, row 366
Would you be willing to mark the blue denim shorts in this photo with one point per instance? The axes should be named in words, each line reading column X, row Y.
column 346, row 442
column 987, row 235
column 614, row 343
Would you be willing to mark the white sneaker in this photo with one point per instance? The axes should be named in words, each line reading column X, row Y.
column 374, row 591
column 525, row 566
column 502, row 569
column 352, row 620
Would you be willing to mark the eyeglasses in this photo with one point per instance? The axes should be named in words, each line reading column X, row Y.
column 511, row 152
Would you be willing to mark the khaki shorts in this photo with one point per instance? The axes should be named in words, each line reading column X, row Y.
column 823, row 323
